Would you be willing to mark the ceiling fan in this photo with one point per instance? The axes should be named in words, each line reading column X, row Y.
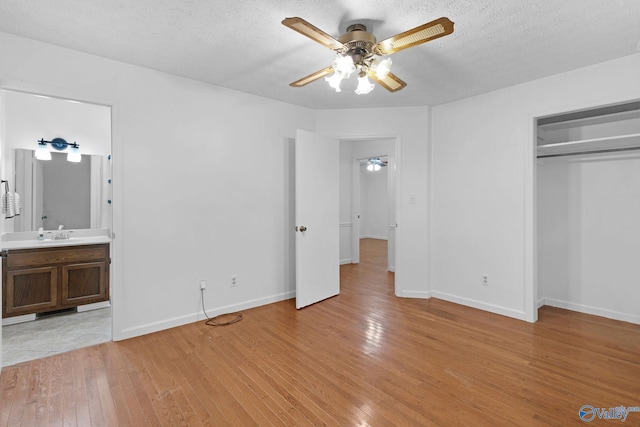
column 358, row 51
column 374, row 164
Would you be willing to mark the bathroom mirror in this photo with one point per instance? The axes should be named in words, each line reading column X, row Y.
column 58, row 192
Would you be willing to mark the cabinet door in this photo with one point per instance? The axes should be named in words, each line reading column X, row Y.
column 83, row 283
column 31, row 290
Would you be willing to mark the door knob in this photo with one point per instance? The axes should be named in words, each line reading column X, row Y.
column 303, row 228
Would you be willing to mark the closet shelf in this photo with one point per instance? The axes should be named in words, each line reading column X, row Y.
column 586, row 145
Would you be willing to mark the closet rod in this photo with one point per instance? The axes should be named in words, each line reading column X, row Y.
column 575, row 153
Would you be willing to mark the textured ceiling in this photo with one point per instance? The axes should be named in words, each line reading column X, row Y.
column 242, row 45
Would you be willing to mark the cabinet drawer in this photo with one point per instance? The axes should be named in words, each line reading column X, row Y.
column 48, row 256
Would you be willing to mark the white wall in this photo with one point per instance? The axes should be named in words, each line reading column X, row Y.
column 374, row 203
column 411, row 125
column 589, row 234
column 185, row 204
column 30, row 118
column 483, row 198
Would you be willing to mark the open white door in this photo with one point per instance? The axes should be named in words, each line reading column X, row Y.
column 317, row 218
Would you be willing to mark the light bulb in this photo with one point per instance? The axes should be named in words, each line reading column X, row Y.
column 370, row 167
column 376, row 167
column 344, row 65
column 42, row 153
column 383, row 68
column 364, row 85
column 334, row 80
column 74, row 155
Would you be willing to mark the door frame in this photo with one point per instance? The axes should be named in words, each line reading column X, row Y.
column 356, row 189
column 397, row 206
column 115, row 276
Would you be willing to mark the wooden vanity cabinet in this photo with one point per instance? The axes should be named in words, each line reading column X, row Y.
column 47, row 279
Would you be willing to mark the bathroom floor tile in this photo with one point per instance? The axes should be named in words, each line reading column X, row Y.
column 56, row 334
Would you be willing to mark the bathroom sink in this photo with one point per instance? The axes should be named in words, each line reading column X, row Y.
column 56, row 241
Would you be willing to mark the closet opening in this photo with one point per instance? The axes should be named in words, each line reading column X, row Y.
column 587, row 205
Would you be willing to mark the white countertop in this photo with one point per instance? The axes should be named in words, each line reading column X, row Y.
column 28, row 239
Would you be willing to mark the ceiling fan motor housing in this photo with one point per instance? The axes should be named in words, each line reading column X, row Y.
column 359, row 44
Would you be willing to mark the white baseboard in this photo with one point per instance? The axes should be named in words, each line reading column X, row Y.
column 540, row 302
column 345, row 261
column 18, row 319
column 94, row 306
column 492, row 308
column 392, row 269
column 374, row 237
column 198, row 316
column 416, row 294
column 596, row 311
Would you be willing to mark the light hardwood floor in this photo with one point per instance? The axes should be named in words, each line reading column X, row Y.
column 362, row 358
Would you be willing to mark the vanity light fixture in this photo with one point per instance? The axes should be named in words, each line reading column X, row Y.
column 42, row 152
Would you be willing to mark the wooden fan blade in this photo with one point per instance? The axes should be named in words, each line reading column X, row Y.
column 312, row 77
column 391, row 82
column 429, row 31
column 314, row 33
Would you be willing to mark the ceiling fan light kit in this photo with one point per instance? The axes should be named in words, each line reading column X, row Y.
column 374, row 164
column 364, row 85
column 358, row 51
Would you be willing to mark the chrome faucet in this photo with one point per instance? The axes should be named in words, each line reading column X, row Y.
column 61, row 234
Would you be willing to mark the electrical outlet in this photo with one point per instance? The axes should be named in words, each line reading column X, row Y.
column 485, row 280
column 234, row 281
column 203, row 284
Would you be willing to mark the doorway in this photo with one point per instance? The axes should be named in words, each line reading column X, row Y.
column 372, row 199
column 368, row 203
column 28, row 117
